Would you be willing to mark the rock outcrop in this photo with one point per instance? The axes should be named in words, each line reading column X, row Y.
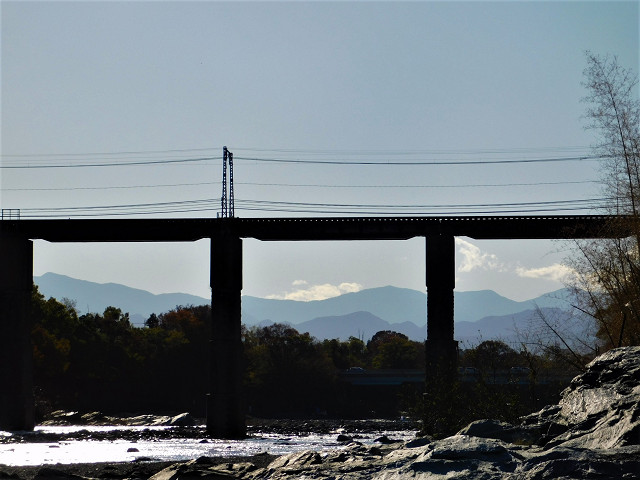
column 600, row 409
column 594, row 432
column 61, row 417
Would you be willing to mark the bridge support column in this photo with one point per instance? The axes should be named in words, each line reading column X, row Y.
column 441, row 348
column 225, row 405
column 16, row 367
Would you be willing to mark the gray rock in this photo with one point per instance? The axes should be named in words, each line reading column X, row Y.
column 51, row 473
column 62, row 417
column 572, row 463
column 464, row 446
column 192, row 470
column 592, row 433
column 386, row 440
column 501, row 431
column 182, row 420
column 295, row 462
column 469, row 457
column 144, row 420
column 419, row 442
column 9, row 476
column 93, row 418
column 599, row 409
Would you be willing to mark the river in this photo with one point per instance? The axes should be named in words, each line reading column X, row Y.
column 88, row 444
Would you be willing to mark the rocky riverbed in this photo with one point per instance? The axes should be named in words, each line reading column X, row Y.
column 593, row 432
column 149, row 428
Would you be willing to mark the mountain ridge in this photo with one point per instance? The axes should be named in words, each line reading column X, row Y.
column 395, row 305
column 98, row 296
column 389, row 308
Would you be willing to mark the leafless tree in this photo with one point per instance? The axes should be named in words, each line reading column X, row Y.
column 606, row 281
column 565, row 339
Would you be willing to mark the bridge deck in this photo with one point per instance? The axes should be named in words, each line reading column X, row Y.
column 319, row 228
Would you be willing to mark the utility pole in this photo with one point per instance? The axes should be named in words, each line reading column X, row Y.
column 227, row 208
column 230, row 207
column 223, row 200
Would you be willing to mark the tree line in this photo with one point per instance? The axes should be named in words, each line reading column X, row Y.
column 102, row 362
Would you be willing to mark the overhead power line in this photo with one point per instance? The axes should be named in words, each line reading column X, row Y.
column 547, row 202
column 299, row 185
column 110, row 187
column 422, row 212
column 396, row 157
column 415, row 163
column 374, row 158
column 209, row 204
column 344, row 152
column 109, row 164
column 422, row 162
column 463, row 185
column 116, row 153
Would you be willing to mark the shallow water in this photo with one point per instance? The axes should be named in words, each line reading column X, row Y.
column 165, row 449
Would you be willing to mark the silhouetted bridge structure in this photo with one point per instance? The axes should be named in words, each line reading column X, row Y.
column 225, row 414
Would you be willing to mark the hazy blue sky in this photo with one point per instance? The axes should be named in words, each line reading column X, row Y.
column 416, row 82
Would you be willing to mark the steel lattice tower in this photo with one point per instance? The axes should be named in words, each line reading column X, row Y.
column 227, row 207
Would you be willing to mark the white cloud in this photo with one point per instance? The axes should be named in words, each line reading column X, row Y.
column 350, row 287
column 317, row 292
column 556, row 272
column 474, row 258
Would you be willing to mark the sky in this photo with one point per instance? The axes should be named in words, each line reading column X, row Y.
column 121, row 109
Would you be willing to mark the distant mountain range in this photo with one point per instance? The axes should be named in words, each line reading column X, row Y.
column 91, row 297
column 395, row 305
column 479, row 315
column 512, row 328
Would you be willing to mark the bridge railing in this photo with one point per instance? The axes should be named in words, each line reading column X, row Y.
column 10, row 214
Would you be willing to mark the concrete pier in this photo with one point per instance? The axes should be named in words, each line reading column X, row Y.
column 441, row 348
column 225, row 404
column 16, row 367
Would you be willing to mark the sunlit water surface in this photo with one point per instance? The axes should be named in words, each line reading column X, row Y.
column 178, row 449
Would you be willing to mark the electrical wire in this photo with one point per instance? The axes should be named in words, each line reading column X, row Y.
column 327, row 157
column 388, row 151
column 209, row 204
column 111, row 164
column 97, row 159
column 422, row 162
column 411, row 152
column 111, row 187
column 422, row 212
column 309, row 204
column 462, row 185
column 414, row 163
column 91, row 154
column 299, row 185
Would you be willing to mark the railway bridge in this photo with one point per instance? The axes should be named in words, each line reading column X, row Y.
column 225, row 414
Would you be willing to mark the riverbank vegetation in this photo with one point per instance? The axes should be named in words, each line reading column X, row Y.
column 102, row 362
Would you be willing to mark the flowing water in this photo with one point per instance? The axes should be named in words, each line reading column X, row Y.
column 18, row 449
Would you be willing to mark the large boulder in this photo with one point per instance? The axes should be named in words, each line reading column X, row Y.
column 182, row 420
column 599, row 409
